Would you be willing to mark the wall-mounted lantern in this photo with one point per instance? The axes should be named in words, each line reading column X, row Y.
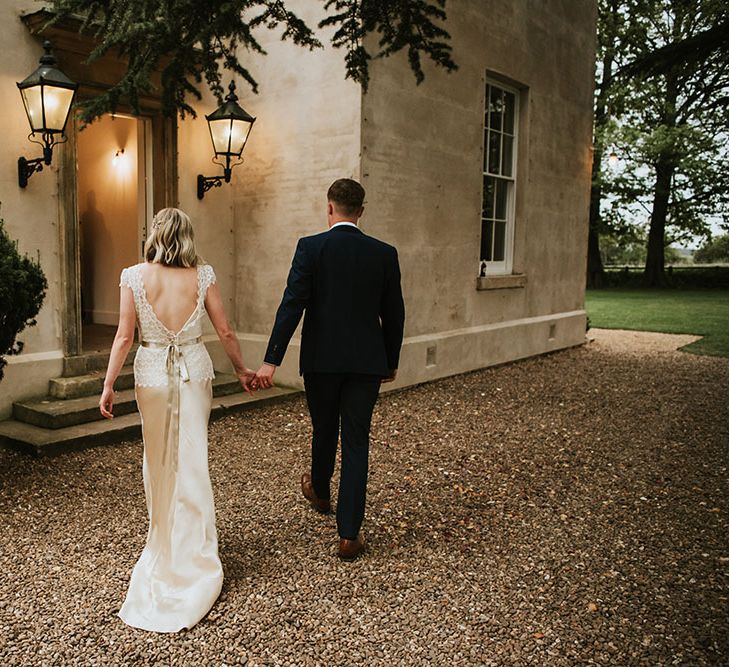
column 47, row 95
column 230, row 126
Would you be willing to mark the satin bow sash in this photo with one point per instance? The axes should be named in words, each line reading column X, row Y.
column 176, row 370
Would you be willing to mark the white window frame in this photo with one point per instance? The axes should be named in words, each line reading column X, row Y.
column 506, row 265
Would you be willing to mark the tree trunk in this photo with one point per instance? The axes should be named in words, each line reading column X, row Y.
column 653, row 275
column 595, row 270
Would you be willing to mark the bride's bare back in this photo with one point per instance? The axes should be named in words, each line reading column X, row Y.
column 172, row 293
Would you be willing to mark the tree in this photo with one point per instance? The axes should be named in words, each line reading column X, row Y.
column 713, row 251
column 22, row 290
column 623, row 248
column 618, row 251
column 690, row 51
column 192, row 39
column 614, row 31
column 672, row 134
column 606, row 24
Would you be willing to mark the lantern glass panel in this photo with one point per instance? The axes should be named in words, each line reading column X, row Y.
column 33, row 107
column 220, row 134
column 229, row 136
column 57, row 103
column 239, row 135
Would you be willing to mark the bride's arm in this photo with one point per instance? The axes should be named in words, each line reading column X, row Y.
column 119, row 349
column 231, row 345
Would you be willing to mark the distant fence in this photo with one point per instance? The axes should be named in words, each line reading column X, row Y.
column 679, row 276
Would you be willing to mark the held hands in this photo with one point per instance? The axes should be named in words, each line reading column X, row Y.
column 247, row 379
column 252, row 381
column 264, row 377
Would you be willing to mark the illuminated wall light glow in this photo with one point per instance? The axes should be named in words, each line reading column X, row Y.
column 122, row 165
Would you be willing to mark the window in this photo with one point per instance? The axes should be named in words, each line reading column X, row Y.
column 499, row 177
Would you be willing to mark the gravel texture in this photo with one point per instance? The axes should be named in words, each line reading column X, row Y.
column 568, row 509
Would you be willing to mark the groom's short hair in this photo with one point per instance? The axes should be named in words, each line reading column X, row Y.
column 347, row 195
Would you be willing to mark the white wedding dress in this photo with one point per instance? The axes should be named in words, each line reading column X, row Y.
column 178, row 576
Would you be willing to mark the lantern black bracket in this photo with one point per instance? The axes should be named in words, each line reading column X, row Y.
column 26, row 168
column 205, row 183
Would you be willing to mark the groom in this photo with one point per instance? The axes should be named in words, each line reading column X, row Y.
column 349, row 285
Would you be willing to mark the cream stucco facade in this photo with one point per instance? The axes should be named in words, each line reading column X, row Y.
column 418, row 150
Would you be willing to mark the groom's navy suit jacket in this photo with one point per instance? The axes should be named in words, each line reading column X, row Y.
column 349, row 285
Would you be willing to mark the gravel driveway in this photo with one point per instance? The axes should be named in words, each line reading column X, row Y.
column 568, row 509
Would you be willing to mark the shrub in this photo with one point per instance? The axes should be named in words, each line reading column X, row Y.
column 679, row 277
column 22, row 290
column 715, row 250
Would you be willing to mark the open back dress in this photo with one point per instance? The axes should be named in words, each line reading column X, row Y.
column 178, row 575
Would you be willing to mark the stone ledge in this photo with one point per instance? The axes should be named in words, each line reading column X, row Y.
column 506, row 281
column 51, row 413
column 39, row 441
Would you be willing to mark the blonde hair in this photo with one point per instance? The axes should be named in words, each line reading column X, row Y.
column 171, row 239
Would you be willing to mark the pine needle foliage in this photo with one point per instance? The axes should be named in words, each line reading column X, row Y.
column 412, row 25
column 191, row 41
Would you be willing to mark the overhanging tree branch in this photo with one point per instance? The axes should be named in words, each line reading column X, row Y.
column 686, row 52
column 189, row 40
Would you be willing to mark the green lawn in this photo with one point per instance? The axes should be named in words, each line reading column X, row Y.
column 701, row 312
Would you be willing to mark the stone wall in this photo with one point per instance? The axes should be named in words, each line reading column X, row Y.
column 422, row 168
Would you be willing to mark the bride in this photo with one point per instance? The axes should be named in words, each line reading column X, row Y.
column 178, row 576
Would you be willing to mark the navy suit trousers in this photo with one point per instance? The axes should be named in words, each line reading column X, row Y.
column 347, row 399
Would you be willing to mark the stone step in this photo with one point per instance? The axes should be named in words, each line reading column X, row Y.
column 54, row 413
column 92, row 361
column 89, row 384
column 98, row 361
column 39, row 441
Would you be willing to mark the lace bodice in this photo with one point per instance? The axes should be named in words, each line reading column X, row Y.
column 150, row 368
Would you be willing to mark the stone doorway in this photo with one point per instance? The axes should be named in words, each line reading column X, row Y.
column 114, row 196
column 160, row 169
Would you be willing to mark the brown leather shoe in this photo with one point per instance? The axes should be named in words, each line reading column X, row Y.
column 350, row 549
column 320, row 505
